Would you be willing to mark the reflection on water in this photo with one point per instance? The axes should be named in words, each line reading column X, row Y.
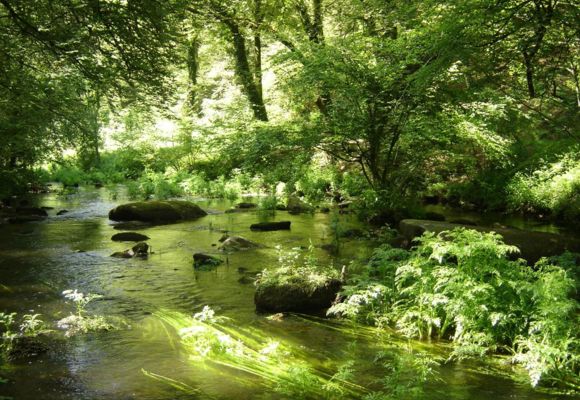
column 40, row 260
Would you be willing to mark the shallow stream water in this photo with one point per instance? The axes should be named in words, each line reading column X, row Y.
column 40, row 260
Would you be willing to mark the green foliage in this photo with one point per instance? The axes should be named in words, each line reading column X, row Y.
column 253, row 358
column 406, row 376
column 298, row 269
column 462, row 286
column 80, row 300
column 552, row 188
column 81, row 323
column 68, row 175
column 30, row 326
column 270, row 203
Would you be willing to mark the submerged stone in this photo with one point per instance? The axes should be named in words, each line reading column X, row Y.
column 22, row 219
column 202, row 260
column 129, row 237
column 26, row 347
column 157, row 211
column 246, row 205
column 131, row 225
column 271, row 226
column 140, row 250
column 31, row 211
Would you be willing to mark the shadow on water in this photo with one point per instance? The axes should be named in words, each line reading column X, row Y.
column 72, row 251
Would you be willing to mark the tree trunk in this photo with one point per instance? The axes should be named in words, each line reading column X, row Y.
column 529, row 75
column 245, row 75
column 194, row 106
column 259, row 18
column 243, row 69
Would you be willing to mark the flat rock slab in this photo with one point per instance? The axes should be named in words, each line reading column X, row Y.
column 157, row 211
column 129, row 237
column 271, row 226
column 532, row 245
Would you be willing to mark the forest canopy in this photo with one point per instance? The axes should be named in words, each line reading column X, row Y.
column 383, row 101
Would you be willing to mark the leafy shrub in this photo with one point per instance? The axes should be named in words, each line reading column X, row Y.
column 68, row 175
column 461, row 286
column 10, row 331
column 80, row 322
column 297, row 269
column 552, row 188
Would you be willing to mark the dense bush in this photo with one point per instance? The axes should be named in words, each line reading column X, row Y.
column 462, row 286
column 552, row 188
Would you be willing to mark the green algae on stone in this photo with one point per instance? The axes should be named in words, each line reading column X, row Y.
column 157, row 211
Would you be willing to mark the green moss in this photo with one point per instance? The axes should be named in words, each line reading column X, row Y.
column 157, row 211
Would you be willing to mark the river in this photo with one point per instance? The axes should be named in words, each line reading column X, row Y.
column 72, row 251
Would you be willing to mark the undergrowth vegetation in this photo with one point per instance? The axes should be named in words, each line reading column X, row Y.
column 552, row 188
column 81, row 322
column 14, row 334
column 298, row 269
column 463, row 286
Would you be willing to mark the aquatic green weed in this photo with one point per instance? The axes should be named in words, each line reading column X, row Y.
column 81, row 322
column 273, row 364
column 298, row 268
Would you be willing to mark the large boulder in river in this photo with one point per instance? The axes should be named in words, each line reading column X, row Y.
column 532, row 245
column 295, row 297
column 157, row 211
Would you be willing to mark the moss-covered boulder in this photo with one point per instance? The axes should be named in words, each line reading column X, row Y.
column 295, row 296
column 158, row 212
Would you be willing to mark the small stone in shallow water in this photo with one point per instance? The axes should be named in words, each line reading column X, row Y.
column 201, row 260
column 271, row 226
column 140, row 250
column 276, row 317
column 129, row 237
